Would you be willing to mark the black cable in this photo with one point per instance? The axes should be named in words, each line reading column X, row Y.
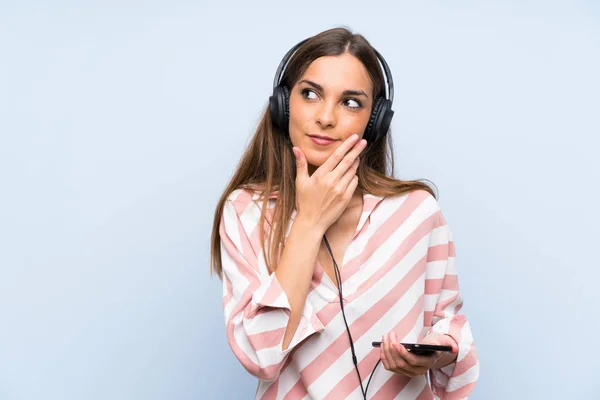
column 369, row 381
column 338, row 278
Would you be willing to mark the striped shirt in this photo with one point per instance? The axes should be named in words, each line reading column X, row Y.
column 398, row 274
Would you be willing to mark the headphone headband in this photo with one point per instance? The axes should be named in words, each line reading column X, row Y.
column 386, row 68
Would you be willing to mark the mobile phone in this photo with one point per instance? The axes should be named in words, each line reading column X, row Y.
column 420, row 349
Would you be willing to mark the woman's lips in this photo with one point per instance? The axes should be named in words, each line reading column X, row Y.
column 321, row 141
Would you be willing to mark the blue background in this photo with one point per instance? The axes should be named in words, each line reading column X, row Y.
column 121, row 122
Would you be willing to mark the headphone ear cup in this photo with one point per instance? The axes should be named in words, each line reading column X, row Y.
column 279, row 104
column 286, row 108
column 380, row 120
column 370, row 133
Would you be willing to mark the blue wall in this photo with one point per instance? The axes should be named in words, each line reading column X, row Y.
column 121, row 122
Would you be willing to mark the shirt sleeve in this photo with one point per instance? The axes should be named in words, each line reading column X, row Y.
column 456, row 380
column 255, row 305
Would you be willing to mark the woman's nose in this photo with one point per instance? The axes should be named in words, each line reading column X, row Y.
column 326, row 114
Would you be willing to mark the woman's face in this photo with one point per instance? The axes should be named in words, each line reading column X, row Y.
column 319, row 106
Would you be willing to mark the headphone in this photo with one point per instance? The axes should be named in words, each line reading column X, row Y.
column 381, row 115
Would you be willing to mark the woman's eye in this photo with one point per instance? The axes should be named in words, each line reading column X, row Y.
column 358, row 104
column 305, row 91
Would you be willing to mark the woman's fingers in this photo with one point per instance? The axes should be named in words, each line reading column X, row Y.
column 301, row 164
column 388, row 350
column 399, row 361
column 396, row 358
column 351, row 187
column 382, row 353
column 348, row 159
column 334, row 159
column 388, row 356
column 410, row 360
column 348, row 175
column 409, row 364
column 396, row 364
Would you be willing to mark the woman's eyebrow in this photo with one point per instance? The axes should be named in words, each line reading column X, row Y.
column 345, row 92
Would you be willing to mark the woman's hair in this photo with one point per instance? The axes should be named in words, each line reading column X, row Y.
column 268, row 166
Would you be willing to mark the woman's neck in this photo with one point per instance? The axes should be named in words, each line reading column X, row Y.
column 355, row 201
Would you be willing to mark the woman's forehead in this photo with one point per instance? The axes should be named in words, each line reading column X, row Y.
column 339, row 73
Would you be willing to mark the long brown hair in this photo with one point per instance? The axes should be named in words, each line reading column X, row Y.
column 268, row 165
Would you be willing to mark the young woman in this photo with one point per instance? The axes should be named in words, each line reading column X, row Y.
column 322, row 252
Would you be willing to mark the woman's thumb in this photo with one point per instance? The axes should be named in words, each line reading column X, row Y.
column 300, row 162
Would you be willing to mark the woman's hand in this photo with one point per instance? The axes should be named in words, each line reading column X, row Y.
column 397, row 358
column 323, row 196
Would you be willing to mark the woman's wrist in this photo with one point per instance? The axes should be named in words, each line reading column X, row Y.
column 308, row 227
column 448, row 357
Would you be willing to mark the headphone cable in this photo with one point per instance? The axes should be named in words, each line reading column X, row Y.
column 338, row 278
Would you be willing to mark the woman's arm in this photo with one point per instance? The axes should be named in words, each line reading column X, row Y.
column 267, row 315
column 295, row 270
column 262, row 309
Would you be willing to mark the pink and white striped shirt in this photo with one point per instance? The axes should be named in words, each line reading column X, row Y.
column 398, row 274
